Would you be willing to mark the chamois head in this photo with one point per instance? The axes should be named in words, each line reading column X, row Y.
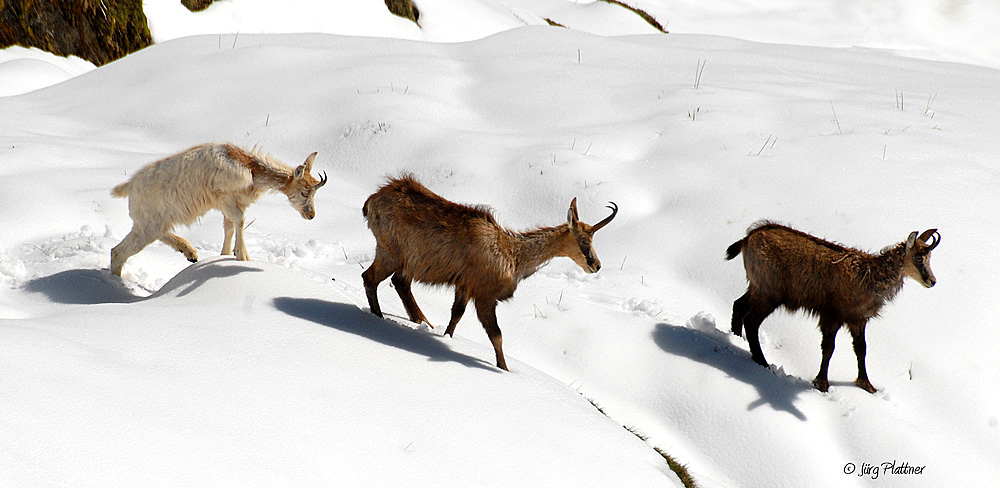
column 581, row 249
column 302, row 188
column 917, row 256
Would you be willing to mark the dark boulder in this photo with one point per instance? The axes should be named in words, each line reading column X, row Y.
column 99, row 31
column 403, row 8
column 197, row 5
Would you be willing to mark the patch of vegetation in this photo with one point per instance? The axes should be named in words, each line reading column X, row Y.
column 99, row 31
column 679, row 469
column 554, row 23
column 641, row 13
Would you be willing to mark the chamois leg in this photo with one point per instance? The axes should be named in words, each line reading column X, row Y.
column 135, row 241
column 240, row 246
column 402, row 285
column 181, row 245
column 740, row 308
column 829, row 330
column 860, row 349
column 375, row 274
column 751, row 321
column 487, row 312
column 457, row 310
column 236, row 215
column 227, row 241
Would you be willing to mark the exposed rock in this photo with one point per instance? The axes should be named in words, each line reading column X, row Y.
column 197, row 5
column 99, row 31
column 403, row 8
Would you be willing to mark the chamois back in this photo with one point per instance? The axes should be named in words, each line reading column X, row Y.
column 424, row 237
column 434, row 240
column 839, row 284
column 179, row 189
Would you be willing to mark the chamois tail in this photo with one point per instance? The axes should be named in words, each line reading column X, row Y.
column 735, row 248
column 122, row 190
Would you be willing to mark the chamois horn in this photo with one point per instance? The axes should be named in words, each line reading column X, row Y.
column 614, row 211
column 934, row 237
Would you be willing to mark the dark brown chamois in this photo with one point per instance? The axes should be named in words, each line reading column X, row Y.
column 839, row 284
column 421, row 236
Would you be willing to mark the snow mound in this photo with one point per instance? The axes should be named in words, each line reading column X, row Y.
column 248, row 374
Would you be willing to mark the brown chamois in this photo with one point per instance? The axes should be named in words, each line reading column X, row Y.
column 421, row 236
column 839, row 284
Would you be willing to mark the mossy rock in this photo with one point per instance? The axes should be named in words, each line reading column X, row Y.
column 197, row 5
column 403, row 8
column 99, row 31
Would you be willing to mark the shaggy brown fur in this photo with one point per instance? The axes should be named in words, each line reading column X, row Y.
column 839, row 284
column 421, row 236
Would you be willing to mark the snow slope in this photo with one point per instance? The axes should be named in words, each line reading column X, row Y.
column 523, row 121
column 288, row 384
column 952, row 30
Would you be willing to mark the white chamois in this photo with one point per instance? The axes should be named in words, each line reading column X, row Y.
column 180, row 188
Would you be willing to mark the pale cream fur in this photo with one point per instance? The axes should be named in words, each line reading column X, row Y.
column 180, row 188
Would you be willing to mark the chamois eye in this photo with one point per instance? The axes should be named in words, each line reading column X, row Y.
column 305, row 194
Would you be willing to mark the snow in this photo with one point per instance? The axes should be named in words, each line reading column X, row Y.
column 26, row 69
column 290, row 383
column 272, row 371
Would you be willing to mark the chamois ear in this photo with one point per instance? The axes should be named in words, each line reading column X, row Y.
column 306, row 167
column 309, row 162
column 910, row 241
column 572, row 217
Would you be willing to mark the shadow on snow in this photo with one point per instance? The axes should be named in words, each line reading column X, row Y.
column 96, row 286
column 203, row 272
column 82, row 287
column 349, row 318
column 774, row 391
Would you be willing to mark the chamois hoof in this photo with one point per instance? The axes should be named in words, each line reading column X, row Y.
column 821, row 384
column 865, row 385
column 761, row 361
column 736, row 326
